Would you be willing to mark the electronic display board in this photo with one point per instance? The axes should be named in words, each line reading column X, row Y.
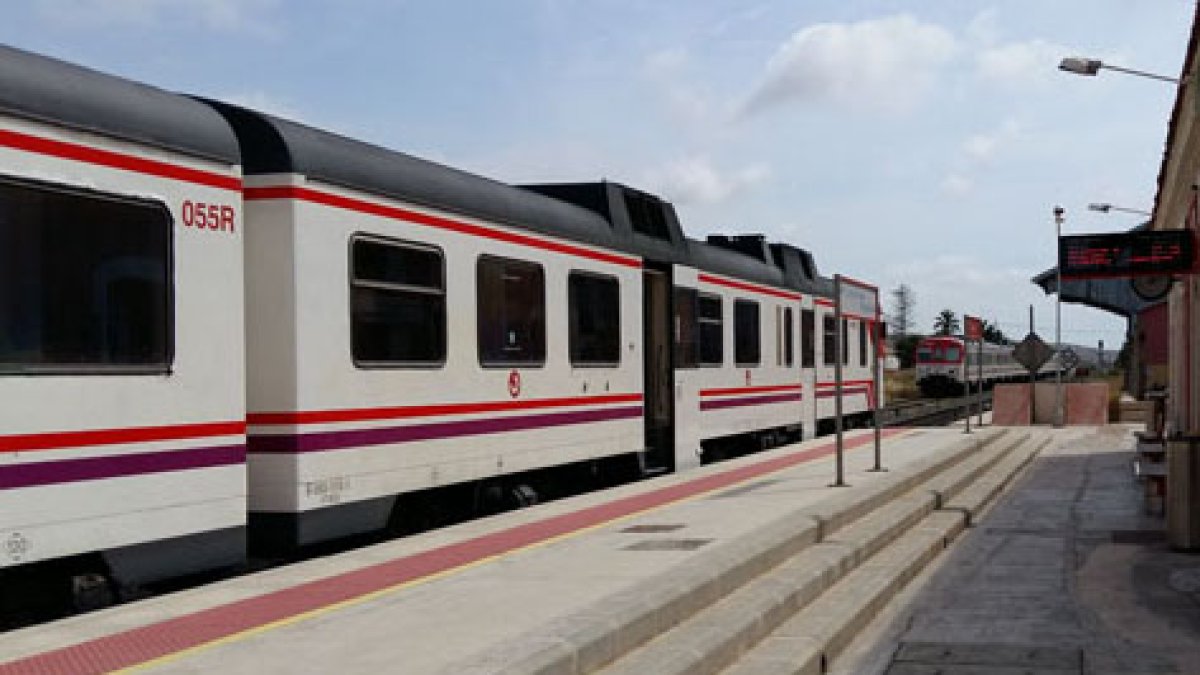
column 1126, row 254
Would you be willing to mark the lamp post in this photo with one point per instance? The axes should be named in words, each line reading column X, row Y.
column 1058, row 397
column 1105, row 208
column 1085, row 66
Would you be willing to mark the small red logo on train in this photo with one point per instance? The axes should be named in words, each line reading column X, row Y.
column 514, row 384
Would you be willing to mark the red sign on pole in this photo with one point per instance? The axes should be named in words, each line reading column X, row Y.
column 973, row 327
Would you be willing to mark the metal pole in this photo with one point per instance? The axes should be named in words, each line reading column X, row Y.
column 967, row 378
column 1141, row 73
column 979, row 370
column 1032, row 380
column 1058, row 397
column 840, row 476
column 876, row 376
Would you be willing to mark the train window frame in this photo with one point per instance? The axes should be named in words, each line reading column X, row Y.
column 845, row 341
column 789, row 338
column 538, row 358
column 572, row 332
column 356, row 283
column 808, row 338
column 686, row 334
column 829, row 338
column 715, row 326
column 863, row 328
column 747, row 344
column 165, row 322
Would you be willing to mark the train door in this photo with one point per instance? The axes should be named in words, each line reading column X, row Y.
column 659, row 455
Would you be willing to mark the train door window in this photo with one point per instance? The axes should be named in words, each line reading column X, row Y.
column 863, row 327
column 594, row 318
column 511, row 312
column 808, row 344
column 829, row 324
column 397, row 303
column 712, row 329
column 85, row 281
column 687, row 336
column 789, row 338
column 747, row 340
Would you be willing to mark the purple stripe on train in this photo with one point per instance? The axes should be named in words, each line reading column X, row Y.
column 340, row 440
column 830, row 393
column 752, row 400
column 54, row 472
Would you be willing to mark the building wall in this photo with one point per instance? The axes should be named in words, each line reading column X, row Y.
column 1175, row 208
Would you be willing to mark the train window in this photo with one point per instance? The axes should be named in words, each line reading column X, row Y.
column 789, row 339
column 687, row 337
column 85, row 281
column 511, row 310
column 808, row 344
column 829, row 324
column 397, row 303
column 594, row 319
column 712, row 329
column 747, row 341
column 863, row 327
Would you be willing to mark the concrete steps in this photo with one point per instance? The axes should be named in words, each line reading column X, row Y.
column 808, row 641
column 795, row 616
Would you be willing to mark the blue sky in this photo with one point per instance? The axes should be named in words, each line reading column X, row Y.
column 902, row 142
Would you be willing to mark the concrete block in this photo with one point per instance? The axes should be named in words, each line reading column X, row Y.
column 1011, row 405
column 1087, row 403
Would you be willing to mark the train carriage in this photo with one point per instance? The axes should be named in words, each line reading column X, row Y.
column 412, row 326
column 121, row 359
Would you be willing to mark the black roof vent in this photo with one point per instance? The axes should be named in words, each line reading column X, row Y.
column 646, row 215
column 753, row 245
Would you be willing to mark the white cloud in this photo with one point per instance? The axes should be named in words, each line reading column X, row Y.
column 1020, row 64
column 957, row 184
column 977, row 151
column 885, row 64
column 684, row 102
column 981, row 148
column 696, row 180
column 221, row 15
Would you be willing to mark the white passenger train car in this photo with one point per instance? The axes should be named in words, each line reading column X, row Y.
column 412, row 326
column 122, row 429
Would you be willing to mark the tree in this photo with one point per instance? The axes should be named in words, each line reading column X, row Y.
column 993, row 334
column 906, row 350
column 903, row 304
column 946, row 323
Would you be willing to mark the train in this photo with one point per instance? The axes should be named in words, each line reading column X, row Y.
column 947, row 364
column 222, row 331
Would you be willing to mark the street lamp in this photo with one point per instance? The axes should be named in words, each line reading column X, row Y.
column 1105, row 208
column 1085, row 66
column 1058, row 397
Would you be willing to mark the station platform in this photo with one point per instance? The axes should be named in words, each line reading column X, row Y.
column 571, row 586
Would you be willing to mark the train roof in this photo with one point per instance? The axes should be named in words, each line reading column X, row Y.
column 274, row 145
column 48, row 90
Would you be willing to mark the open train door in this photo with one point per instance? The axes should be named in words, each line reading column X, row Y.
column 659, row 455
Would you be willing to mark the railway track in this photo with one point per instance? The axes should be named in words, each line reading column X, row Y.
column 932, row 412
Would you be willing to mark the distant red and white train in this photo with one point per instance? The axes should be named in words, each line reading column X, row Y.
column 219, row 326
column 945, row 364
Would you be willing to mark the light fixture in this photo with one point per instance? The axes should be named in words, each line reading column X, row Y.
column 1085, row 66
column 1105, row 208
